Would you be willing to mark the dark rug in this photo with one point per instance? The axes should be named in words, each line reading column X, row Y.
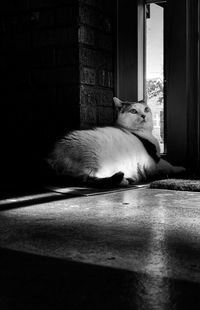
column 177, row 184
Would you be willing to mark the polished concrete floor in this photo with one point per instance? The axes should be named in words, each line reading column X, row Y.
column 133, row 249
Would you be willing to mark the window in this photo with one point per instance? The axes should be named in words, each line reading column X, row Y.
column 155, row 67
column 180, row 116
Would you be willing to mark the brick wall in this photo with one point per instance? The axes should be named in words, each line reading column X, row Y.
column 96, row 62
column 56, row 67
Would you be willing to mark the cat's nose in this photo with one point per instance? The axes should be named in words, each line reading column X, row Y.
column 143, row 116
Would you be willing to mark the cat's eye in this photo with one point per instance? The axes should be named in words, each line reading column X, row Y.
column 133, row 111
column 146, row 110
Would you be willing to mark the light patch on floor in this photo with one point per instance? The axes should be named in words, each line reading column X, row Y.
column 150, row 231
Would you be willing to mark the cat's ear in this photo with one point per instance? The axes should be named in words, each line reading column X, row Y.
column 118, row 102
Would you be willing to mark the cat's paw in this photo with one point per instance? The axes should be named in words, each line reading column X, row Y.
column 131, row 181
column 127, row 181
column 124, row 182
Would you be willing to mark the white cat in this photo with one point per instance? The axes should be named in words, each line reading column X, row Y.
column 115, row 155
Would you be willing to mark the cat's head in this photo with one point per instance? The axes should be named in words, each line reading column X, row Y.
column 133, row 115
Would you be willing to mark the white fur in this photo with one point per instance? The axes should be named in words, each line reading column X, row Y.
column 102, row 152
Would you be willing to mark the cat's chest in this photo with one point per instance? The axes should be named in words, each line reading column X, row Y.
column 124, row 145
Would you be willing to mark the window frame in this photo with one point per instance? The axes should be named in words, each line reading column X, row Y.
column 130, row 50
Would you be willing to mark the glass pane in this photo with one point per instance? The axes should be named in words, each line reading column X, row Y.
column 155, row 68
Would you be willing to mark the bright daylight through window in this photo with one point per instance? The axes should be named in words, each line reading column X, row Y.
column 155, row 67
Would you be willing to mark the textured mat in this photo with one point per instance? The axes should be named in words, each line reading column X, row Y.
column 177, row 184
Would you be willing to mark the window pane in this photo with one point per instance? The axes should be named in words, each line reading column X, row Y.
column 155, row 68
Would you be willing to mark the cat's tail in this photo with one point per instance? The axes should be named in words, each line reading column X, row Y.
column 64, row 180
column 51, row 177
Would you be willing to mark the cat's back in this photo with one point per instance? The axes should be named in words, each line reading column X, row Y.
column 97, row 139
column 80, row 149
column 99, row 145
column 90, row 137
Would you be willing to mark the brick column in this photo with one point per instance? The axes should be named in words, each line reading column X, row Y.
column 96, row 62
